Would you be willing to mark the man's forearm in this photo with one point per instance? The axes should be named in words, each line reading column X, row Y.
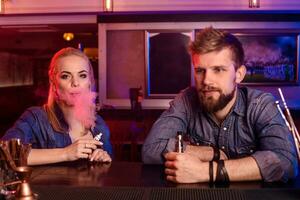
column 205, row 153
column 237, row 169
column 152, row 153
column 243, row 169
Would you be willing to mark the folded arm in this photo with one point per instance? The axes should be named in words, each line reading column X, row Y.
column 188, row 168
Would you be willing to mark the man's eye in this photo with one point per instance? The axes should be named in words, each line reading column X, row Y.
column 199, row 70
column 218, row 69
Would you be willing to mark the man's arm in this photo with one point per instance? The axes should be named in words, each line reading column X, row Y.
column 276, row 155
column 162, row 137
column 188, row 168
column 204, row 153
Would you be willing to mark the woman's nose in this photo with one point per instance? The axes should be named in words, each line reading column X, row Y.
column 75, row 82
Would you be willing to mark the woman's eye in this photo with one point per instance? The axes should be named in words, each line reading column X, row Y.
column 64, row 76
column 83, row 75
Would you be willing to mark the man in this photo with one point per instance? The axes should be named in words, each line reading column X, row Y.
column 235, row 134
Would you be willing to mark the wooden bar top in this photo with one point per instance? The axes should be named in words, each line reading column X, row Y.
column 133, row 180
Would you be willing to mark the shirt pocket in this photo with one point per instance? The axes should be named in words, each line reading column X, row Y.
column 245, row 150
column 201, row 141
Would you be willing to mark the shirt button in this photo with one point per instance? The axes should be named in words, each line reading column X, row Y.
column 224, row 128
column 223, row 147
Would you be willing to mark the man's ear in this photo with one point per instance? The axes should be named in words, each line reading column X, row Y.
column 240, row 73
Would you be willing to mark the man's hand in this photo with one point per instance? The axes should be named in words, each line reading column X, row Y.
column 185, row 168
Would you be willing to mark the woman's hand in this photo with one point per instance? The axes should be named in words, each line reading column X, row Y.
column 100, row 155
column 81, row 148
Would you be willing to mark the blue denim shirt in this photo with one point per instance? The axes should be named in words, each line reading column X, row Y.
column 34, row 127
column 254, row 127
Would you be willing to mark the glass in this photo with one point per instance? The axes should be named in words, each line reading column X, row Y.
column 13, row 158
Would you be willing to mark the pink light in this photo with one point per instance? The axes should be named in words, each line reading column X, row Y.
column 254, row 3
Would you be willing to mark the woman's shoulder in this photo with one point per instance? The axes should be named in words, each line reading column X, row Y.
column 100, row 124
column 99, row 120
column 35, row 111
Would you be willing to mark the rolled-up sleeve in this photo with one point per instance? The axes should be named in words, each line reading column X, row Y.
column 277, row 156
column 162, row 136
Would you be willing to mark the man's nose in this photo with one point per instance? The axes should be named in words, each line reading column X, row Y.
column 208, row 78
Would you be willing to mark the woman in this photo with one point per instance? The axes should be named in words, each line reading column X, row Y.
column 64, row 128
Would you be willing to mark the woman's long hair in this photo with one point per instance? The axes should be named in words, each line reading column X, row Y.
column 51, row 104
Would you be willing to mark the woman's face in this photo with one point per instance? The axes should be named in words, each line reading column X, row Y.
column 72, row 77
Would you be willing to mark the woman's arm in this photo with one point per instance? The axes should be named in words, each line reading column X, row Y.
column 82, row 148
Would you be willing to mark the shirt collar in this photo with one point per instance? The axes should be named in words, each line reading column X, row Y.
column 240, row 106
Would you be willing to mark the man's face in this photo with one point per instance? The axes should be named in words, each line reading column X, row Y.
column 216, row 79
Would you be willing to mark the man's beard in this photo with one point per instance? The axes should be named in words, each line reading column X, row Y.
column 210, row 105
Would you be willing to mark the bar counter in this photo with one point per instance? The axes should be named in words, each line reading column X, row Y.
column 133, row 180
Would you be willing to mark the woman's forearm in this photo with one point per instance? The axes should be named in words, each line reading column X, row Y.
column 46, row 156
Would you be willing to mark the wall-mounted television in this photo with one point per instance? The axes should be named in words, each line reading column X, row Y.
column 270, row 58
column 126, row 56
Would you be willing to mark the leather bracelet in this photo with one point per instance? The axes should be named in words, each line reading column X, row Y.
column 211, row 172
column 216, row 154
column 222, row 175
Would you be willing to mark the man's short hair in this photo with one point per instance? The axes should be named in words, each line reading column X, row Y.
column 210, row 39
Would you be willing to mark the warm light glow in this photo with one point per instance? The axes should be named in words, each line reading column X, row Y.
column 2, row 6
column 108, row 5
column 254, row 4
column 68, row 36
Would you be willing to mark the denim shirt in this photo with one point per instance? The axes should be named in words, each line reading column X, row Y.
column 34, row 127
column 253, row 127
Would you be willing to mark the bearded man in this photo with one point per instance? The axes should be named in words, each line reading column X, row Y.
column 233, row 133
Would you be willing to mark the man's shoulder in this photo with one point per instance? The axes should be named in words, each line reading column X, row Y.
column 255, row 95
column 186, row 99
column 189, row 92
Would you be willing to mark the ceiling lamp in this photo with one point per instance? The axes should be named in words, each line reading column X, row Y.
column 254, row 3
column 2, row 6
column 108, row 5
column 68, row 36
